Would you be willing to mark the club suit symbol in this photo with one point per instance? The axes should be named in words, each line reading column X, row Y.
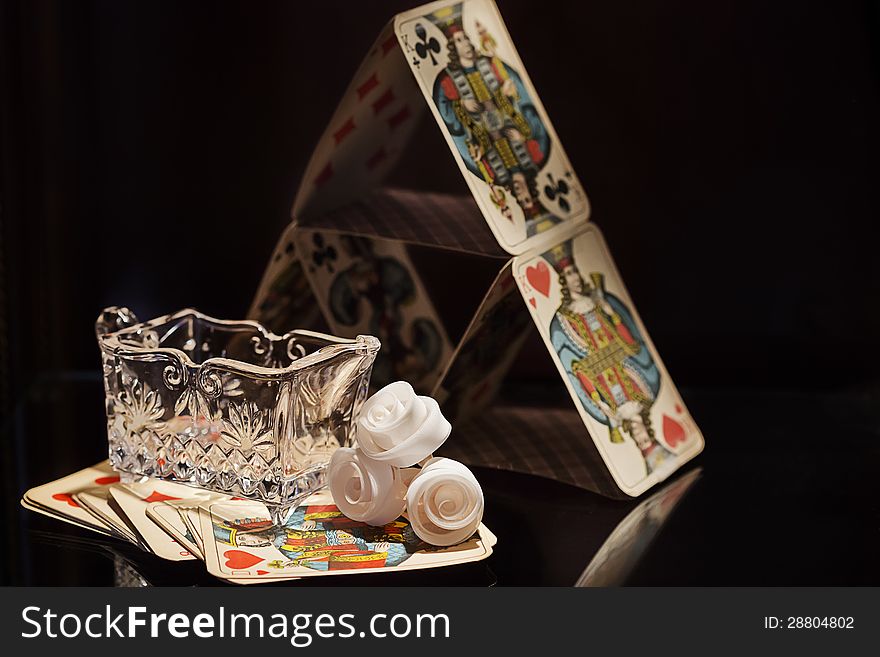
column 557, row 189
column 426, row 46
column 324, row 254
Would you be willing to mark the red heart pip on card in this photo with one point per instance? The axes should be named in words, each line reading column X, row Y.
column 159, row 497
column 539, row 277
column 673, row 432
column 240, row 560
column 64, row 497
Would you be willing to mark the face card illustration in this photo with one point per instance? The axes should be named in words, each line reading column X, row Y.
column 241, row 542
column 189, row 516
column 476, row 85
column 610, row 367
column 366, row 134
column 370, row 286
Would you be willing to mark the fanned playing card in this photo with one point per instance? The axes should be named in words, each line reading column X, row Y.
column 171, row 520
column 56, row 497
column 154, row 536
column 236, row 537
column 241, row 543
column 135, row 500
column 98, row 501
column 36, row 508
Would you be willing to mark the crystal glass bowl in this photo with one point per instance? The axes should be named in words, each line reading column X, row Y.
column 227, row 405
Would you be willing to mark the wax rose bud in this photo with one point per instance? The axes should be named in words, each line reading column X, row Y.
column 444, row 503
column 398, row 427
column 363, row 489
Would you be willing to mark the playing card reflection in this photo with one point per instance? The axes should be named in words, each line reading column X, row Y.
column 321, row 538
column 630, row 540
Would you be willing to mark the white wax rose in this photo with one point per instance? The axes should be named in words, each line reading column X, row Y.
column 363, row 489
column 444, row 502
column 400, row 428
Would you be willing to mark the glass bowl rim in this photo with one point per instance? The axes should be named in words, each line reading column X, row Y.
column 110, row 342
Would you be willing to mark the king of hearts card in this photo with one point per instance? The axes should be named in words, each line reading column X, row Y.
column 369, row 257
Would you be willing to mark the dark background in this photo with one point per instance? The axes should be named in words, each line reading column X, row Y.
column 151, row 150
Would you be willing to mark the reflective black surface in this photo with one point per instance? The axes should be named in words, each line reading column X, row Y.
column 784, row 494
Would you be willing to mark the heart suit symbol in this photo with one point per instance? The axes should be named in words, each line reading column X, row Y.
column 673, row 432
column 539, row 277
column 240, row 560
column 159, row 497
column 64, row 497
